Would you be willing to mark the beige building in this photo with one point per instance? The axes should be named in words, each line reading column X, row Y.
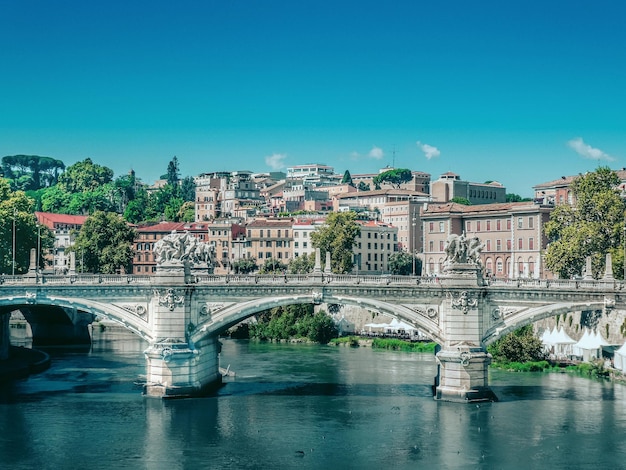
column 449, row 185
column 270, row 238
column 376, row 242
column 512, row 233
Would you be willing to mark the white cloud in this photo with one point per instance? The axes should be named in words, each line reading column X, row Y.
column 376, row 153
column 429, row 150
column 355, row 155
column 275, row 161
column 587, row 151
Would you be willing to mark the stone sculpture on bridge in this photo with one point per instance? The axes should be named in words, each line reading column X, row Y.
column 461, row 250
column 176, row 248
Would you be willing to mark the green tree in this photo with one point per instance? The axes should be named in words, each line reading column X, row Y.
column 244, row 266
column 337, row 235
column 401, row 263
column 461, row 200
column 84, row 176
column 173, row 172
column 272, row 266
column 105, row 244
column 188, row 189
column 16, row 208
column 363, row 186
column 512, row 197
column 520, row 346
column 31, row 172
column 347, row 178
column 395, row 177
column 302, row 264
column 593, row 227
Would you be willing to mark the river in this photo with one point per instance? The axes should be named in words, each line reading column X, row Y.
column 304, row 406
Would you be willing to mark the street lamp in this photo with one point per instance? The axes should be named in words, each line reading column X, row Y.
column 14, row 217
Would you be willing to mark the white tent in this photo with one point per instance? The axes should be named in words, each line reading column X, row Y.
column 589, row 346
column 619, row 360
column 562, row 343
column 400, row 325
column 546, row 339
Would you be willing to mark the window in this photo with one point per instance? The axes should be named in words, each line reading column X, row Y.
column 269, row 233
column 498, row 245
column 305, row 245
column 488, row 225
column 286, row 233
column 531, row 243
column 431, row 227
column 520, row 222
column 468, row 226
column 488, row 245
column 296, row 234
column 478, row 225
column 508, row 224
column 499, row 266
column 261, row 231
column 442, row 226
column 260, row 255
column 520, row 243
column 498, row 225
column 431, row 246
column 278, row 233
column 440, row 245
column 508, row 244
column 296, row 245
column 531, row 222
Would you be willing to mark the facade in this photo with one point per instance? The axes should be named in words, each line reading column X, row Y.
column 228, row 236
column 65, row 228
column 376, row 242
column 302, row 229
column 512, row 234
column 226, row 194
column 270, row 238
column 144, row 262
column 405, row 215
column 420, row 182
column 311, row 173
column 449, row 185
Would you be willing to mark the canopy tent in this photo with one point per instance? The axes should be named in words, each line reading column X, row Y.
column 619, row 360
column 400, row 325
column 562, row 343
column 590, row 346
column 546, row 339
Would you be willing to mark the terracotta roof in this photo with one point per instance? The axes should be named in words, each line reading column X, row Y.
column 380, row 192
column 270, row 223
column 434, row 208
column 166, row 227
column 49, row 219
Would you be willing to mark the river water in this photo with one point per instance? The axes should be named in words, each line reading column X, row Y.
column 303, row 406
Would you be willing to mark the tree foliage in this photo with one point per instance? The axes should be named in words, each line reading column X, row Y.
column 347, row 178
column 16, row 207
column 337, row 235
column 272, row 266
column 461, row 200
column 302, row 264
column 593, row 227
column 31, row 172
column 401, row 263
column 363, row 186
column 395, row 177
column 520, row 346
column 244, row 266
column 105, row 244
column 84, row 176
column 294, row 321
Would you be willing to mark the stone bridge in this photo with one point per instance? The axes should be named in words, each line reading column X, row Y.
column 180, row 314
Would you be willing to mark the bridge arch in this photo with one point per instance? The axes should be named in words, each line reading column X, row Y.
column 234, row 314
column 534, row 314
column 110, row 312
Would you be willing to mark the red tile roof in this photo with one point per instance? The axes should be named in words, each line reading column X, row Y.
column 50, row 219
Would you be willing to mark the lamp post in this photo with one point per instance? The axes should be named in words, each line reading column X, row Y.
column 14, row 217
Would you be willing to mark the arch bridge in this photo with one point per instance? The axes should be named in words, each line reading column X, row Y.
column 181, row 314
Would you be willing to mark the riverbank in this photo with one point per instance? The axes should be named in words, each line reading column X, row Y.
column 23, row 362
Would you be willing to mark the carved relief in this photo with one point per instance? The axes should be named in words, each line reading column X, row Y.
column 136, row 309
column 317, row 297
column 463, row 301
column 170, row 298
column 209, row 308
column 431, row 313
column 500, row 312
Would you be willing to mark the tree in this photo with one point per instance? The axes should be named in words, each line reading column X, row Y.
column 461, row 200
column 173, row 172
column 31, row 172
column 401, row 263
column 512, row 197
column 272, row 266
column 245, row 266
column 188, row 189
column 16, row 207
column 520, row 346
column 84, row 176
column 395, row 177
column 302, row 264
column 347, row 178
column 105, row 244
column 337, row 235
column 363, row 186
column 593, row 227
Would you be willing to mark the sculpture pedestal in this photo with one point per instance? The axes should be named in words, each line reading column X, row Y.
column 463, row 376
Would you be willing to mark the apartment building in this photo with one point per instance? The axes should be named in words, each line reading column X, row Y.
column 65, row 228
column 374, row 245
column 449, row 185
column 512, row 234
column 270, row 238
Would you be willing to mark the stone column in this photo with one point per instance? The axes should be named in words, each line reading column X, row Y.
column 174, row 366
column 463, row 360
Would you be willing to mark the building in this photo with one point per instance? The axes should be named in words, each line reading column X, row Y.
column 270, row 238
column 312, row 173
column 419, row 183
column 512, row 233
column 374, row 245
column 144, row 261
column 227, row 194
column 228, row 236
column 449, row 185
column 302, row 229
column 65, row 228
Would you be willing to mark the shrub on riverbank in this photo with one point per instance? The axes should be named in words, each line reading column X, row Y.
column 530, row 366
column 293, row 321
column 400, row 345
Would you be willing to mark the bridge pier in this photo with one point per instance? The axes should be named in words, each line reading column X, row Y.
column 463, row 375
column 175, row 366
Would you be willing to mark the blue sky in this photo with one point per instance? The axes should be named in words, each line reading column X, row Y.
column 521, row 92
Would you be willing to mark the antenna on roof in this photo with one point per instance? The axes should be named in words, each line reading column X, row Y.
column 393, row 157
